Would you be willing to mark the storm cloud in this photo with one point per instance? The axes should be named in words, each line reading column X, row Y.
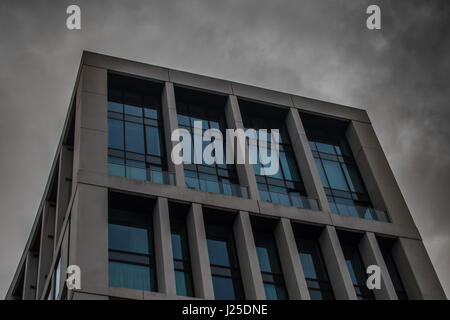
column 320, row 49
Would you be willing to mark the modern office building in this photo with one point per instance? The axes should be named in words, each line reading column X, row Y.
column 141, row 227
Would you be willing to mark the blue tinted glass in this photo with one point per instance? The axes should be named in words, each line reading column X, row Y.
column 184, row 120
column 192, row 183
column 218, row 252
column 223, row 288
column 114, row 106
column 335, row 175
column 308, row 265
column 134, row 111
column 326, row 148
column 312, row 145
column 183, row 283
column 134, row 172
column 131, row 276
column 176, row 246
column 153, row 142
column 116, row 169
column 315, row 295
column 353, row 178
column 274, row 292
column 151, row 113
column 126, row 238
column 134, row 137
column 263, row 258
column 115, row 134
column 321, row 172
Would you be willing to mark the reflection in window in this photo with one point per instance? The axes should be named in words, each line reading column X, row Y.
column 269, row 264
column 225, row 271
column 131, row 257
column 135, row 145
column 181, row 259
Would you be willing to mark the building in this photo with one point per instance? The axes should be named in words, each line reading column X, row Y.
column 141, row 227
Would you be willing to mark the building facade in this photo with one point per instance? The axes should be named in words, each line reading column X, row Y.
column 141, row 227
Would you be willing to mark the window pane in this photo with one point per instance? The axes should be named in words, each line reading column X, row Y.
column 308, row 265
column 126, row 238
column 114, row 106
column 131, row 276
column 321, row 172
column 151, row 113
column 183, row 284
column 134, row 111
column 177, row 246
column 153, row 142
column 134, row 137
column 274, row 292
column 326, row 148
column 115, row 134
column 223, row 288
column 116, row 168
column 335, row 175
column 267, row 255
column 218, row 252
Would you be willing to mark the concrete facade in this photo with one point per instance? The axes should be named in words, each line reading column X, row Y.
column 72, row 228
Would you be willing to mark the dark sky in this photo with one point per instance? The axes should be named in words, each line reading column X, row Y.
column 316, row 48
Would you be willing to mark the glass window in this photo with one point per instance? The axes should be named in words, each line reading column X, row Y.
column 134, row 137
column 153, row 142
column 115, row 134
column 127, row 238
column 357, row 272
column 335, row 175
column 130, row 276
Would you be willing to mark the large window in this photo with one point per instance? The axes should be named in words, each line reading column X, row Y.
column 180, row 249
column 130, row 241
column 338, row 171
column 269, row 262
column 225, row 271
column 386, row 251
column 285, row 186
column 355, row 265
column 135, row 141
column 312, row 262
column 217, row 178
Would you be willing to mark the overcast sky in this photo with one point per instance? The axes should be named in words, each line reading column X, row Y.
column 316, row 48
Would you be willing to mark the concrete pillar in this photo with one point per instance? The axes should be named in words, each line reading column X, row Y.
column 163, row 248
column 245, row 171
column 91, row 123
column 336, row 266
column 64, row 187
column 416, row 270
column 376, row 173
column 46, row 249
column 290, row 261
column 305, row 159
column 371, row 255
column 89, row 237
column 31, row 275
column 170, row 123
column 198, row 248
column 248, row 257
column 64, row 254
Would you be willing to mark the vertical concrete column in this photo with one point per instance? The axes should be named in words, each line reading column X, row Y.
column 46, row 249
column 290, row 261
column 376, row 173
column 31, row 275
column 64, row 257
column 64, row 187
column 416, row 270
column 89, row 237
column 170, row 122
column 371, row 255
column 91, row 123
column 163, row 248
column 198, row 248
column 305, row 159
column 245, row 171
column 248, row 257
column 336, row 265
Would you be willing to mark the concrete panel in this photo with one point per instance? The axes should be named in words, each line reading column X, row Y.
column 336, row 266
column 305, row 159
column 261, row 94
column 329, row 109
column 416, row 270
column 95, row 80
column 170, row 122
column 93, row 154
column 64, row 187
column 163, row 247
column 198, row 249
column 47, row 243
column 245, row 171
column 31, row 275
column 94, row 112
column 290, row 261
column 371, row 255
column 88, row 296
column 125, row 66
column 199, row 81
column 248, row 258
column 89, row 237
